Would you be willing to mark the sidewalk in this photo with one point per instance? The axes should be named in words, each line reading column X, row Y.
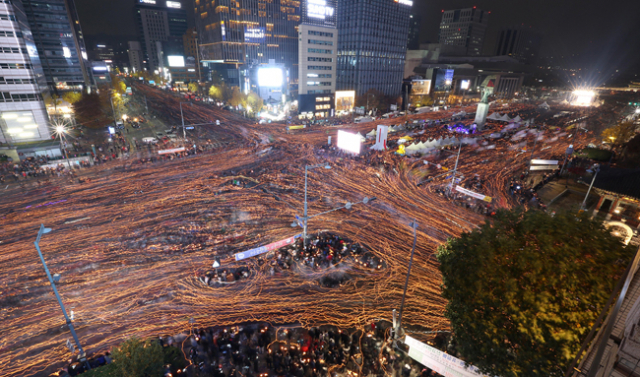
column 558, row 195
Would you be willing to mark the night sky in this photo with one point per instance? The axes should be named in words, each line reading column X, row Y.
column 589, row 34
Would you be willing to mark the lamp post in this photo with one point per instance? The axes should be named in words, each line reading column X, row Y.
column 60, row 130
column 42, row 231
column 455, row 168
column 305, row 219
column 596, row 169
column 414, row 226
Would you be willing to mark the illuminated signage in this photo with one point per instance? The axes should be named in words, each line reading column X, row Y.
column 319, row 9
column 175, row 60
column 152, row 2
column 448, row 76
column 349, row 142
column 174, row 4
column 420, row 87
column 345, row 100
column 270, row 77
column 254, row 34
column 464, row 84
column 66, row 52
column 404, row 2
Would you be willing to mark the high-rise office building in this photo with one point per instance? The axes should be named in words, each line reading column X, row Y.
column 161, row 25
column 317, row 55
column 521, row 43
column 462, row 31
column 372, row 44
column 136, row 59
column 190, row 43
column 413, row 41
column 233, row 35
column 60, row 43
column 23, row 85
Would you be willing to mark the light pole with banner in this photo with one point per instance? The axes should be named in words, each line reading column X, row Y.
column 596, row 169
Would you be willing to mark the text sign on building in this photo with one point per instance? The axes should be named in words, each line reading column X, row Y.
column 404, row 2
column 319, row 9
column 254, row 34
column 152, row 2
column 174, row 4
column 440, row 362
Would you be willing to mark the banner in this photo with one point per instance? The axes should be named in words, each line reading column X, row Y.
column 174, row 150
column 544, row 162
column 544, row 167
column 440, row 362
column 473, row 194
column 266, row 248
column 297, row 127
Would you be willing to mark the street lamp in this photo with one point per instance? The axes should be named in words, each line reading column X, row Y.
column 52, row 280
column 596, row 169
column 60, row 131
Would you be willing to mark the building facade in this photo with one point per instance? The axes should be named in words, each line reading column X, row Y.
column 317, row 58
column 413, row 41
column 372, row 45
column 521, row 43
column 161, row 25
column 136, row 59
column 462, row 31
column 236, row 37
column 23, row 85
column 60, row 43
column 190, row 43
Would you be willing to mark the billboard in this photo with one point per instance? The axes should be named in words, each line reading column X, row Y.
column 319, row 12
column 174, row 4
column 175, row 60
column 349, row 142
column 345, row 100
column 464, row 84
column 266, row 248
column 420, row 87
column 270, row 77
column 448, row 77
column 254, row 34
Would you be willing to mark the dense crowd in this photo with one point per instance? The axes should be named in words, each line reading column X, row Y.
column 324, row 252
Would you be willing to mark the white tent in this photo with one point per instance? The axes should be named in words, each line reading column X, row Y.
column 372, row 134
column 517, row 119
column 505, row 118
column 362, row 138
column 411, row 149
column 494, row 116
column 544, row 105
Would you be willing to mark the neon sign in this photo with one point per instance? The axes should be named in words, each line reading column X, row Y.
column 404, row 2
column 319, row 9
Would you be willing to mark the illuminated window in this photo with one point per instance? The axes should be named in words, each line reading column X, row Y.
column 293, row 18
column 262, row 14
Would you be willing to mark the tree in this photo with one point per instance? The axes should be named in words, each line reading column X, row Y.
column 216, row 92
column 255, row 102
column 372, row 99
column 193, row 87
column 72, row 97
column 525, row 289
column 619, row 134
column 236, row 97
column 136, row 358
column 118, row 85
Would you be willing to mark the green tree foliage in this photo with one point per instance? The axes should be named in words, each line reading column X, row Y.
column 525, row 289
column 118, row 85
column 136, row 358
column 72, row 97
column 193, row 87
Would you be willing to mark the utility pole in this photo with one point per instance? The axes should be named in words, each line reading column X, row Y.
column 184, row 131
column 414, row 225
column 535, row 142
column 583, row 206
column 42, row 231
column 455, row 168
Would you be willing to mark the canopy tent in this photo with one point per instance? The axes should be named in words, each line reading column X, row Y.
column 517, row 119
column 544, row 105
column 372, row 134
column 494, row 116
column 505, row 118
